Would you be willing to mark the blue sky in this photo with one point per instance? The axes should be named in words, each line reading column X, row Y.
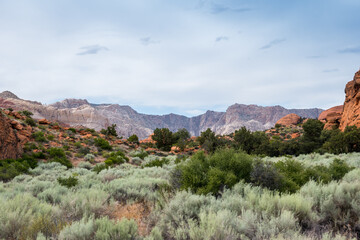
column 183, row 56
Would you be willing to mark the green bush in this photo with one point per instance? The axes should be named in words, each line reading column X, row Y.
column 50, row 137
column 338, row 168
column 59, row 155
column 68, row 182
column 139, row 153
column 133, row 139
column 31, row 122
column 26, row 113
column 10, row 168
column 115, row 158
column 216, row 172
column 265, row 174
column 99, row 167
column 157, row 162
column 102, row 144
column 110, row 131
column 163, row 138
column 39, row 136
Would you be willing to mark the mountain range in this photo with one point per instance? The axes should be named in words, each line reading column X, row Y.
column 81, row 113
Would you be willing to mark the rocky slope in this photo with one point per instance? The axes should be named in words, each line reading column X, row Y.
column 78, row 112
column 13, row 135
column 351, row 112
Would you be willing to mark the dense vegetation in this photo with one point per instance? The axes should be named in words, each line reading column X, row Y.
column 78, row 203
column 247, row 185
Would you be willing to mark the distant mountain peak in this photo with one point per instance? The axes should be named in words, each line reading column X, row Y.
column 8, row 94
column 70, row 103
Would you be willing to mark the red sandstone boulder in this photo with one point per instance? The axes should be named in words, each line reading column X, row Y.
column 331, row 117
column 44, row 122
column 289, row 120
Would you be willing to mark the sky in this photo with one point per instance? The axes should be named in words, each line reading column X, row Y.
column 180, row 56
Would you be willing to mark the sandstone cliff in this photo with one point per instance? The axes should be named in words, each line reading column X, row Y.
column 10, row 146
column 351, row 113
column 79, row 112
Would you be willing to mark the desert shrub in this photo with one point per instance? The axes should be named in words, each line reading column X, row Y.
column 85, row 165
column 31, row 122
column 136, row 161
column 84, row 150
column 85, row 202
column 24, row 217
column 139, row 153
column 338, row 168
column 83, row 229
column 68, row 182
column 56, row 152
column 99, row 167
column 133, row 139
column 157, row 162
column 26, row 113
column 123, row 230
column 100, row 229
column 265, row 174
column 29, row 146
column 63, row 161
column 212, row 174
column 50, row 137
column 73, row 130
column 89, row 157
column 102, row 144
column 53, row 195
column 115, row 158
column 39, row 136
column 135, row 189
column 10, row 168
column 336, row 203
column 59, row 155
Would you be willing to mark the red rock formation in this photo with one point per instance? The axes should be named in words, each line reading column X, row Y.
column 351, row 113
column 288, row 120
column 10, row 146
column 44, row 121
column 331, row 117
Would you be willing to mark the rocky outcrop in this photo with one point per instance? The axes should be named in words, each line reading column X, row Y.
column 10, row 144
column 70, row 103
column 79, row 112
column 8, row 94
column 331, row 117
column 291, row 119
column 351, row 112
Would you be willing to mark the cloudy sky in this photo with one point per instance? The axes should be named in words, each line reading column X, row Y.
column 180, row 56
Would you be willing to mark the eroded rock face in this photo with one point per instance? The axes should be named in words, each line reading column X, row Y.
column 331, row 117
column 10, row 144
column 291, row 119
column 351, row 113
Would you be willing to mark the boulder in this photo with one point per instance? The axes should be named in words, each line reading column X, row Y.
column 331, row 117
column 289, row 120
column 44, row 121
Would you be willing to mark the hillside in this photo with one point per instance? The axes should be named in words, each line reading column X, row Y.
column 79, row 112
